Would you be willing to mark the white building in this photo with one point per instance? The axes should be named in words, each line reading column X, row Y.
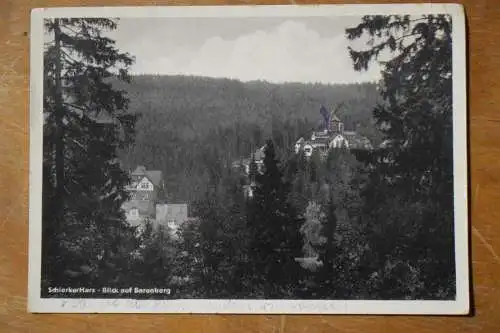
column 335, row 137
column 171, row 216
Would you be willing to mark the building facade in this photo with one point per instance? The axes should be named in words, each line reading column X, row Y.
column 172, row 216
column 145, row 190
column 334, row 136
column 147, row 202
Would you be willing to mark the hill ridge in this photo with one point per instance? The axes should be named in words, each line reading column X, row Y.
column 189, row 127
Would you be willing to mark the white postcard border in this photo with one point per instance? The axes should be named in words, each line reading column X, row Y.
column 460, row 306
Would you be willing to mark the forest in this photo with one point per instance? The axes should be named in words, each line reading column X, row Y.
column 374, row 224
column 191, row 127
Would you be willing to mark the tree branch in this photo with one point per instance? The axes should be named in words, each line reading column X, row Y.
column 69, row 58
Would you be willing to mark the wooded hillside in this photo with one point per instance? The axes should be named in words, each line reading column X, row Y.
column 188, row 125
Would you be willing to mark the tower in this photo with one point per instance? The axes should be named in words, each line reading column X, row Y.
column 336, row 126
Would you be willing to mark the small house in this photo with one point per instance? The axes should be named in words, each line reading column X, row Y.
column 145, row 190
column 172, row 216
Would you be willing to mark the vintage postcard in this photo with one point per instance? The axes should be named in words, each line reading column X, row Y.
column 249, row 159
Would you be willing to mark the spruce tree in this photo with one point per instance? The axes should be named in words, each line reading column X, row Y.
column 212, row 250
column 85, row 238
column 154, row 264
column 327, row 277
column 409, row 198
column 275, row 239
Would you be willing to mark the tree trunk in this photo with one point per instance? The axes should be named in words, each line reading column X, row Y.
column 59, row 115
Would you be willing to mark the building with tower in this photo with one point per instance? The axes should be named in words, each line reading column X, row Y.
column 333, row 136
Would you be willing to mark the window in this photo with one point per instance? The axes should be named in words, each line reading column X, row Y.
column 134, row 212
column 145, row 184
column 249, row 191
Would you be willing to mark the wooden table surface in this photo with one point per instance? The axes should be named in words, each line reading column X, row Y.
column 483, row 18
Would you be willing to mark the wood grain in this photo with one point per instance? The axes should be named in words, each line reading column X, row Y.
column 484, row 94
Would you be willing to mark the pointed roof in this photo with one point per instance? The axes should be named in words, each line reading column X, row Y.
column 140, row 170
column 155, row 176
column 334, row 117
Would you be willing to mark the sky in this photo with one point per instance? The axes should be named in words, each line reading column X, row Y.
column 308, row 50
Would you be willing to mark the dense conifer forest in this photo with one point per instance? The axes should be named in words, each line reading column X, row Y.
column 189, row 125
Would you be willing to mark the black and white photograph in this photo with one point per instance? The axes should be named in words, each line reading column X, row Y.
column 249, row 159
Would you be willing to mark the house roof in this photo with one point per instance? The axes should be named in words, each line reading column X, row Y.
column 320, row 135
column 155, row 176
column 144, row 207
column 140, row 170
column 357, row 141
column 334, row 117
column 321, row 140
